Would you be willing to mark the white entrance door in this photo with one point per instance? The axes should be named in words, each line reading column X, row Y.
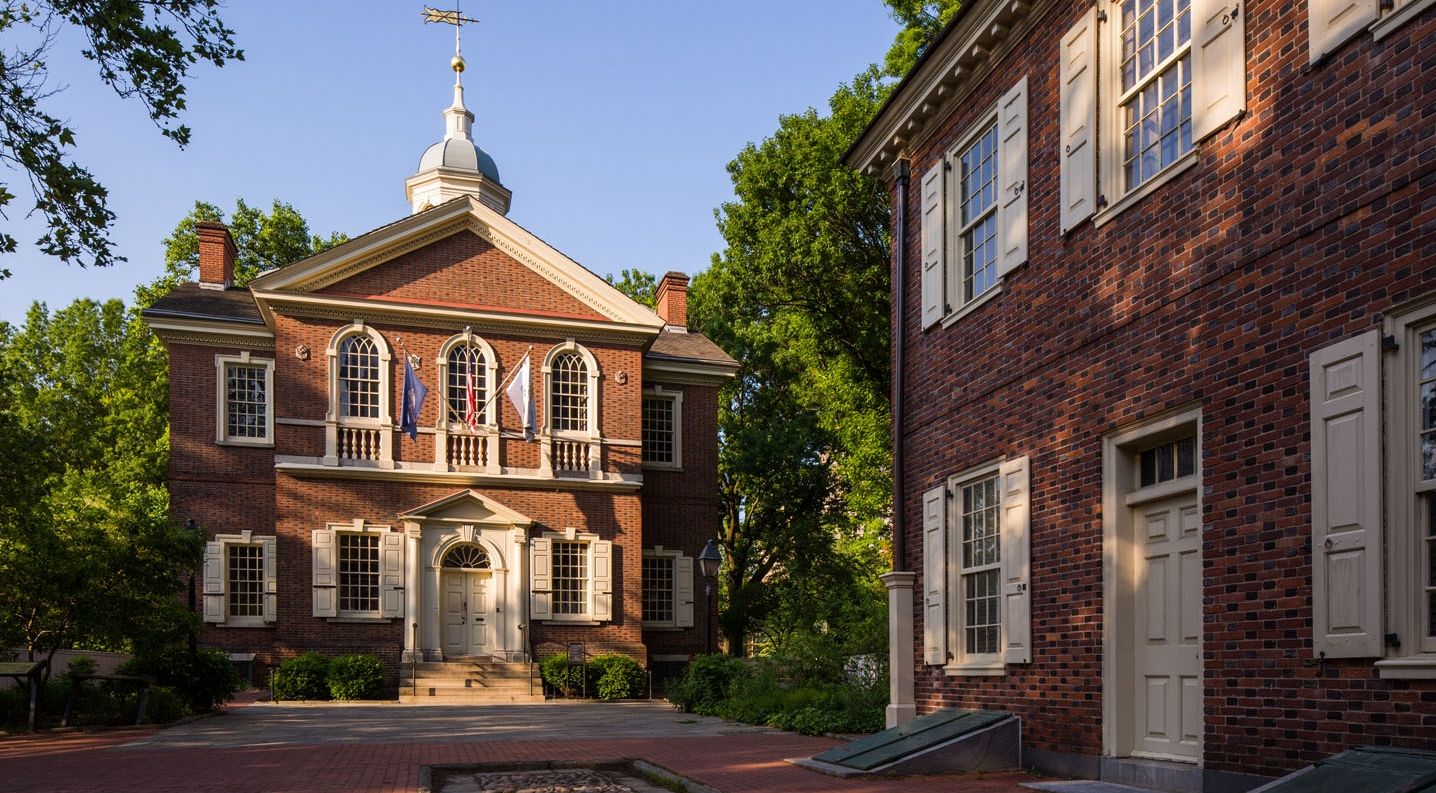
column 464, row 596
column 1168, row 629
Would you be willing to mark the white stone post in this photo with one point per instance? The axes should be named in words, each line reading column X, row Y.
column 901, row 701
column 412, row 585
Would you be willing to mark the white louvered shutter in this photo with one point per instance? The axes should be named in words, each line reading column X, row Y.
column 1012, row 178
column 213, row 584
column 391, row 574
column 1329, row 23
column 541, row 578
column 683, row 592
column 602, row 579
column 326, row 574
column 1017, row 560
column 1219, row 64
column 934, row 575
column 268, row 549
column 1346, row 586
column 1077, row 152
column 934, row 245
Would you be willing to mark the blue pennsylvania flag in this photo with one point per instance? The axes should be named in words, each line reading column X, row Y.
column 414, row 393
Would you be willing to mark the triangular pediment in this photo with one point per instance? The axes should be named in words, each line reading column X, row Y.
column 461, row 254
column 467, row 506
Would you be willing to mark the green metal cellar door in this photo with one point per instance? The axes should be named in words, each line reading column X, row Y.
column 916, row 736
column 1370, row 769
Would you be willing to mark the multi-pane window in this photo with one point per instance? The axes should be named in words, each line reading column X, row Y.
column 358, row 572
column 980, row 574
column 570, row 577
column 977, row 211
column 358, row 378
column 245, row 580
column 1156, row 101
column 1426, row 404
column 1168, row 461
column 659, row 430
column 246, row 401
column 569, row 398
column 658, row 589
column 467, row 387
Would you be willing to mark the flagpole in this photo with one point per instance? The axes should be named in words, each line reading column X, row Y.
column 511, row 373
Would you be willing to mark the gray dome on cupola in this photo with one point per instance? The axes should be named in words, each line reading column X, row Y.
column 456, row 166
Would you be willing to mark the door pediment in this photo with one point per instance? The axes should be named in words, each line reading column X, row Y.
column 467, row 506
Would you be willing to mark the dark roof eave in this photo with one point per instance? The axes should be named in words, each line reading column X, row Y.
column 160, row 312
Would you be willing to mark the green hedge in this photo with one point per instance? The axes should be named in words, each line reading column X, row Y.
column 609, row 677
column 302, row 677
column 776, row 693
column 317, row 677
column 204, row 679
column 356, row 677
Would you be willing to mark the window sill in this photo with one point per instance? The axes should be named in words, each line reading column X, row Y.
column 250, row 444
column 580, row 622
column 1150, row 186
column 1388, row 24
column 359, row 620
column 1421, row 667
column 661, row 627
column 971, row 306
column 237, row 623
column 663, row 467
column 975, row 670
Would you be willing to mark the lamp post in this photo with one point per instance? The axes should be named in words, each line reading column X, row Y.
column 193, row 639
column 709, row 560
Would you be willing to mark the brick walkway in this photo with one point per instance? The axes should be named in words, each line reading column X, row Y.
column 733, row 763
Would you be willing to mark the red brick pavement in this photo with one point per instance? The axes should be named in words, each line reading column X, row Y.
column 88, row 763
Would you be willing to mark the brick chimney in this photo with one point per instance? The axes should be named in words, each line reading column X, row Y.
column 216, row 255
column 673, row 299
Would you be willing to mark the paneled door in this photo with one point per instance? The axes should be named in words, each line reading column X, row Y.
column 1167, row 629
column 464, row 597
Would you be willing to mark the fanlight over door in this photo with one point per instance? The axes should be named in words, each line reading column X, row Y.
column 466, row 557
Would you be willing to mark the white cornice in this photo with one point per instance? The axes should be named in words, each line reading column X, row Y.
column 305, row 468
column 466, row 213
column 684, row 373
column 212, row 333
column 984, row 34
column 347, row 308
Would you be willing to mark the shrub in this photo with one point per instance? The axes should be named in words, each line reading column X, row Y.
column 164, row 706
column 81, row 665
column 560, row 675
column 707, row 683
column 615, row 677
column 203, row 679
column 302, row 677
column 356, row 677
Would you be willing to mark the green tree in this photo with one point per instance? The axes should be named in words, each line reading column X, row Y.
column 921, row 21
column 262, row 241
column 145, row 49
column 640, row 285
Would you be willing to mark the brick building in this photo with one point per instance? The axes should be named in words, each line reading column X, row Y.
column 1165, row 380
column 489, row 534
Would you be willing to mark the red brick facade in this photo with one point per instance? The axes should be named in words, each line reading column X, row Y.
column 1301, row 223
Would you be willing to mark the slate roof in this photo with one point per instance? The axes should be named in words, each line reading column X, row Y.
column 689, row 346
column 188, row 300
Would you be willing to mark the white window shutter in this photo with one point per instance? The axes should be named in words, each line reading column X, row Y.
column 541, row 578
column 271, row 580
column 602, row 558
column 391, row 574
column 934, row 237
column 1219, row 64
column 1077, row 157
column 683, row 592
column 934, row 575
column 1329, row 23
column 326, row 574
column 213, row 582
column 1017, row 560
column 1346, row 585
column 1012, row 178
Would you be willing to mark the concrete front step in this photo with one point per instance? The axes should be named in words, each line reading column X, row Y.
column 516, row 687
column 407, row 698
column 469, row 682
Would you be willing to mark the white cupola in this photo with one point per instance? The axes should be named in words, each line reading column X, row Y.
column 456, row 166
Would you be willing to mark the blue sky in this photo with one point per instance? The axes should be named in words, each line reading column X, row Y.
column 611, row 122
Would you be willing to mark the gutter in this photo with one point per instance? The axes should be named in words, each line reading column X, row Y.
column 900, row 181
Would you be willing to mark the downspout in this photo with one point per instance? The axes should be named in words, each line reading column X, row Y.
column 900, row 180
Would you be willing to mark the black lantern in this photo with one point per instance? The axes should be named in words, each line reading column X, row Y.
column 709, row 560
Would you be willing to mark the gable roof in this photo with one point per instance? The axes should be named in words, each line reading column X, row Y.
column 457, row 502
column 464, row 213
column 190, row 301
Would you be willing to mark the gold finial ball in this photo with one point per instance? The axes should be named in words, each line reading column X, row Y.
column 457, row 63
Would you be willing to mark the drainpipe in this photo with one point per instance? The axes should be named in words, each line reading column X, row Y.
column 901, row 658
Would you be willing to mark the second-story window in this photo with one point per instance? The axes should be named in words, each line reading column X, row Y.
column 245, row 400
column 358, row 378
column 467, row 387
column 1156, row 100
column 569, row 397
column 977, row 203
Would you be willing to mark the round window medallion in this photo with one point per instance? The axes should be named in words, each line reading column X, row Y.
column 301, row 352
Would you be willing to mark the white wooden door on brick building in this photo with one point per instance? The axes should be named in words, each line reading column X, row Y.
column 465, row 600
column 1167, row 652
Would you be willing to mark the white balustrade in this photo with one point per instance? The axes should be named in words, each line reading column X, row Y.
column 467, row 451
column 570, row 455
column 359, row 443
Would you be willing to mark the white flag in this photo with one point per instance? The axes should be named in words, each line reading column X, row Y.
column 521, row 395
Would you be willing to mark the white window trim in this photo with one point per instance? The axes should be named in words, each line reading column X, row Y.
column 961, row 663
column 1416, row 657
column 358, row 528
column 952, row 265
column 676, row 397
column 659, row 552
column 443, row 426
column 221, row 401
column 594, row 436
column 269, row 544
column 1389, row 20
column 587, row 541
column 384, row 423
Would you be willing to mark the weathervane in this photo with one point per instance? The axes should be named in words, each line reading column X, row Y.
column 458, row 21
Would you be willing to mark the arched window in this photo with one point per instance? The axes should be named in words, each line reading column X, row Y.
column 568, row 396
column 467, row 372
column 359, row 382
column 466, row 557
